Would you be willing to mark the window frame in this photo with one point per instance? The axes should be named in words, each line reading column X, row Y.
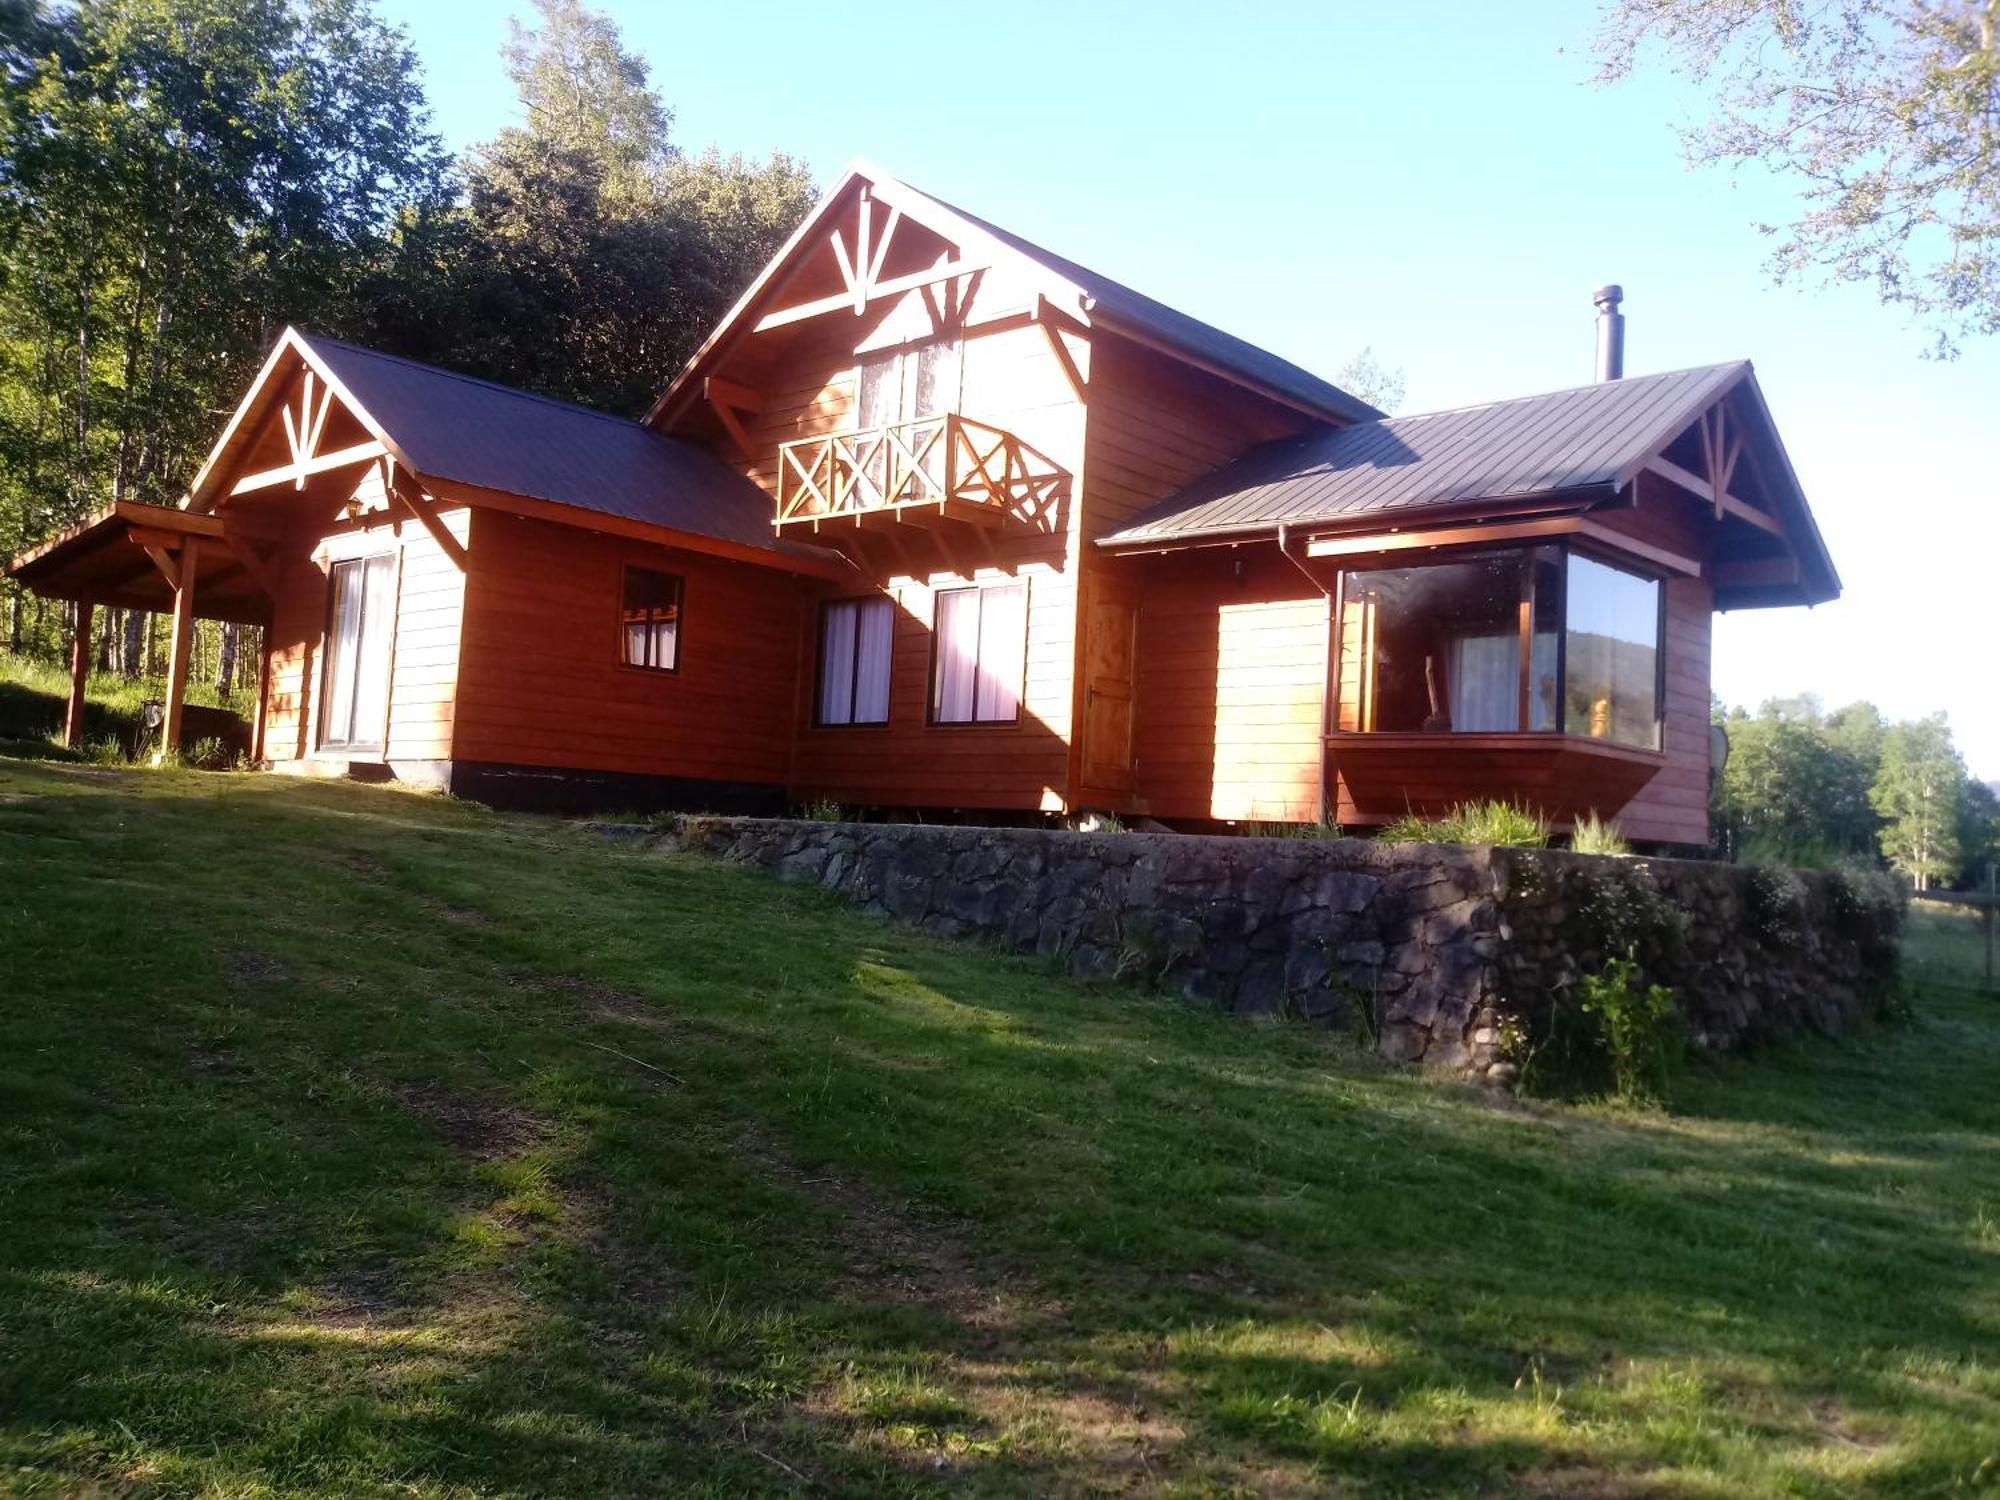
column 380, row 743
column 1020, row 686
column 625, row 570
column 826, row 608
column 1566, row 548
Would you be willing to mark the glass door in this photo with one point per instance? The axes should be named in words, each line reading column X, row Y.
column 356, row 701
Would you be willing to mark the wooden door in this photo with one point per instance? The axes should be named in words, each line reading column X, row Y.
column 354, row 702
column 1110, row 648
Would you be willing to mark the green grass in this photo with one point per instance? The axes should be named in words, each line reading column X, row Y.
column 1948, row 944
column 35, row 693
column 359, row 1143
column 1489, row 822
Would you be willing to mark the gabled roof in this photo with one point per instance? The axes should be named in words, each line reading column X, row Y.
column 1084, row 294
column 1594, row 436
column 462, row 430
column 1399, row 471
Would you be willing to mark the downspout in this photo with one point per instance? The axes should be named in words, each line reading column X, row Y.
column 1328, row 680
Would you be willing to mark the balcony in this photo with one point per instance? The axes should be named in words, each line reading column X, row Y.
column 930, row 470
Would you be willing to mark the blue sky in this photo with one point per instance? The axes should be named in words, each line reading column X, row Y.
column 1441, row 183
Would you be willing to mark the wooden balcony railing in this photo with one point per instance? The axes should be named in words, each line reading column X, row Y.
column 949, row 466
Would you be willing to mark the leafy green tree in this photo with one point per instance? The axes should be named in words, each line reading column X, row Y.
column 1978, row 830
column 1788, row 794
column 589, row 256
column 178, row 178
column 1881, row 112
column 1920, row 793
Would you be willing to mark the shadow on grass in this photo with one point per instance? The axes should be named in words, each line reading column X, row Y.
column 808, row 1193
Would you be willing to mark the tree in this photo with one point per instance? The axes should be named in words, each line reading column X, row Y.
column 589, row 256
column 1919, row 791
column 178, row 178
column 1380, row 385
column 1788, row 794
column 1978, row 829
column 1881, row 112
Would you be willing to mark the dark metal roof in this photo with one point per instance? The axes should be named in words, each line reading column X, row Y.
column 1116, row 303
column 1595, row 436
column 459, row 428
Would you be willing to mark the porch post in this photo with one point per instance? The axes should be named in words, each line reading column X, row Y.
column 263, row 695
column 79, row 674
column 182, row 639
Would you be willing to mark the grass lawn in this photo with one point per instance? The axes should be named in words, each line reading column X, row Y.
column 359, row 1143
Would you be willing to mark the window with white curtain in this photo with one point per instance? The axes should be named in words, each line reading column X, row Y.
column 981, row 651
column 651, row 620
column 855, row 645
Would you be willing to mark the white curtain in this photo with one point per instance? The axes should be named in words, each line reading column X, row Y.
column 872, row 650
column 1003, row 641
column 957, row 655
column 836, row 664
column 1485, row 683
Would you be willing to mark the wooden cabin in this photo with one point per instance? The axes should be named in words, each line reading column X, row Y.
column 937, row 520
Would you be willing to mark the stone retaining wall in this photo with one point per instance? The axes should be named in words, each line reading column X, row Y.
column 1434, row 948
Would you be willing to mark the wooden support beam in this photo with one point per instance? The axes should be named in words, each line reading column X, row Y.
column 729, row 393
column 258, row 719
column 179, row 641
column 253, row 564
column 1725, row 503
column 844, row 301
column 1061, row 349
column 165, row 562
column 424, row 509
column 297, row 473
column 79, row 675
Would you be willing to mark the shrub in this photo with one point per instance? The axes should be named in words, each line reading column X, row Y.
column 1325, row 828
column 1594, row 835
column 1642, row 1030
column 1507, row 824
column 826, row 810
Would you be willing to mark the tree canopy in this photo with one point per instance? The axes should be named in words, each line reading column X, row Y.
column 1883, row 114
column 179, row 179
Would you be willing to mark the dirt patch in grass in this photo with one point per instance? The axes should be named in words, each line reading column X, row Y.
column 245, row 968
column 456, row 912
column 475, row 1127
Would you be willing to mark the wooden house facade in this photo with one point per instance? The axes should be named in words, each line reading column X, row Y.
column 939, row 521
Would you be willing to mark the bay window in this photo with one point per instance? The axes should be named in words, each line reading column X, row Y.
column 1529, row 640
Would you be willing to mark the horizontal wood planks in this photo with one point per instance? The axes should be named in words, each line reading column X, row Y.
column 1232, row 675
column 540, row 680
column 424, row 647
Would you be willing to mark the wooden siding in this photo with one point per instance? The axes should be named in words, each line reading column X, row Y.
column 1155, row 424
column 1009, row 377
column 540, row 682
column 1232, row 677
column 424, row 648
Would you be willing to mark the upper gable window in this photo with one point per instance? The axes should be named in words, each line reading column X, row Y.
column 906, row 384
column 651, row 620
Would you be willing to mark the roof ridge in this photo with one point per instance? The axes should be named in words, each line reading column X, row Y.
column 479, row 380
column 1561, row 390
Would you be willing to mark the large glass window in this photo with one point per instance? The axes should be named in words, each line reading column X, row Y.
column 855, row 643
column 1612, row 654
column 1486, row 642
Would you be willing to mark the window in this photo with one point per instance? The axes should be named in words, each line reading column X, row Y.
column 1535, row 639
column 981, row 646
column 355, row 701
column 855, row 642
column 901, row 385
column 1612, row 653
column 651, row 634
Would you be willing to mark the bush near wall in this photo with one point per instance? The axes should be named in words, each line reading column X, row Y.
column 1455, row 957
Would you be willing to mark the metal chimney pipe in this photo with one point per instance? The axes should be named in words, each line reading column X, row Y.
column 1610, row 332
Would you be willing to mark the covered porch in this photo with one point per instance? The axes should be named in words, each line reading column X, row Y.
column 177, row 563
